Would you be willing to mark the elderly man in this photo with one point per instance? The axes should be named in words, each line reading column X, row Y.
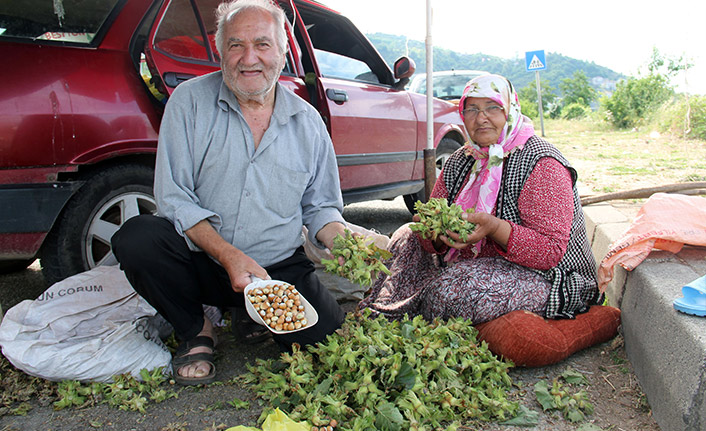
column 242, row 165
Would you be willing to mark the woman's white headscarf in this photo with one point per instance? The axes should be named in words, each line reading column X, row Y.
column 481, row 190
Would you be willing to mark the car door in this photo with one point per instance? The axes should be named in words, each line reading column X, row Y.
column 181, row 45
column 374, row 131
column 373, row 125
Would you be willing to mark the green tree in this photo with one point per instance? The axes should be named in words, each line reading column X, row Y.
column 575, row 111
column 635, row 99
column 660, row 64
column 528, row 99
column 577, row 90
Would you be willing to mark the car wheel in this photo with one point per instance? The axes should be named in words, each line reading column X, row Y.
column 80, row 238
column 9, row 266
column 446, row 147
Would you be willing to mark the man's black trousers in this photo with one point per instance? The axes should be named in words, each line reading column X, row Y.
column 177, row 281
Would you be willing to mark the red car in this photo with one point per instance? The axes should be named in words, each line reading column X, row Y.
column 84, row 86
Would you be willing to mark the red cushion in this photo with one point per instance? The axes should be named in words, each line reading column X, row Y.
column 529, row 340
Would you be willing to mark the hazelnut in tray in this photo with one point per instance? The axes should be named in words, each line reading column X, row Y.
column 278, row 306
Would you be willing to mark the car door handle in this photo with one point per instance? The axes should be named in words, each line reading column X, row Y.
column 172, row 79
column 338, row 96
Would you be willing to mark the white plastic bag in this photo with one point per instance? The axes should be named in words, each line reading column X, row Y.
column 88, row 327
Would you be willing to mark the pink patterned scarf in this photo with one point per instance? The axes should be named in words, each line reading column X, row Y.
column 481, row 190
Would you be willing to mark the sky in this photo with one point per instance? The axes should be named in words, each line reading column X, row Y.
column 617, row 34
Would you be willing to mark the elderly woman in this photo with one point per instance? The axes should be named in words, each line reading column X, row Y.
column 529, row 250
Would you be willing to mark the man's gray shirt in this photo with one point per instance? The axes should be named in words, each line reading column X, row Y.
column 208, row 169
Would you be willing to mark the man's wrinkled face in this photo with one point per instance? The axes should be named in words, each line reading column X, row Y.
column 252, row 61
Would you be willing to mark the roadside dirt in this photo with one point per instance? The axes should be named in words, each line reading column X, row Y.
column 619, row 404
column 612, row 387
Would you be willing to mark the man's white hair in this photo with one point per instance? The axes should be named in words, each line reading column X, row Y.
column 227, row 10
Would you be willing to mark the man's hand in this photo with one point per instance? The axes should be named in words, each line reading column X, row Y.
column 327, row 233
column 240, row 267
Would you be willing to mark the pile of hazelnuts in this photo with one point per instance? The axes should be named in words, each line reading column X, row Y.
column 279, row 306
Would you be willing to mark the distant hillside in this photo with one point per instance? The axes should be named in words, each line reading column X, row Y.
column 558, row 66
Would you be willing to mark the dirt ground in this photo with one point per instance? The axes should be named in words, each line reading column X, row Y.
column 613, row 389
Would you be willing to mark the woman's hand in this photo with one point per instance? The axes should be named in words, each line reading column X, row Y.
column 487, row 225
column 453, row 240
column 437, row 243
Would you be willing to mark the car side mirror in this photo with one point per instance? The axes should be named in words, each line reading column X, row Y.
column 404, row 68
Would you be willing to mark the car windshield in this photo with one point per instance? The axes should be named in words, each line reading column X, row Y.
column 74, row 21
column 446, row 86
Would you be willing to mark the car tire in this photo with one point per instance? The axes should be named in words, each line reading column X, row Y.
column 446, row 147
column 80, row 238
column 10, row 266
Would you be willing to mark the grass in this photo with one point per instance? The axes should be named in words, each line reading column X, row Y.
column 609, row 160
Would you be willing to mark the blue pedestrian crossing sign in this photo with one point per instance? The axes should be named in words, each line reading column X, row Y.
column 535, row 60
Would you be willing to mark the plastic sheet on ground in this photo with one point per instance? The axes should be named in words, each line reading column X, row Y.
column 276, row 421
column 665, row 222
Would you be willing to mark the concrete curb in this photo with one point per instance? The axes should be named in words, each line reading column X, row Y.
column 605, row 224
column 666, row 348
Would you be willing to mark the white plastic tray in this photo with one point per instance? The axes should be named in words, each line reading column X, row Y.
column 309, row 312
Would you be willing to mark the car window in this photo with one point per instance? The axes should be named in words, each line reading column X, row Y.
column 66, row 21
column 333, row 65
column 450, row 86
column 179, row 34
column 207, row 11
column 341, row 50
column 445, row 86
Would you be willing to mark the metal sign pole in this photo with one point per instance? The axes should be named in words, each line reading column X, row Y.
column 539, row 101
column 429, row 152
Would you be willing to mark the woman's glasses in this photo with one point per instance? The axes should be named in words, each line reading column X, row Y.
column 490, row 111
